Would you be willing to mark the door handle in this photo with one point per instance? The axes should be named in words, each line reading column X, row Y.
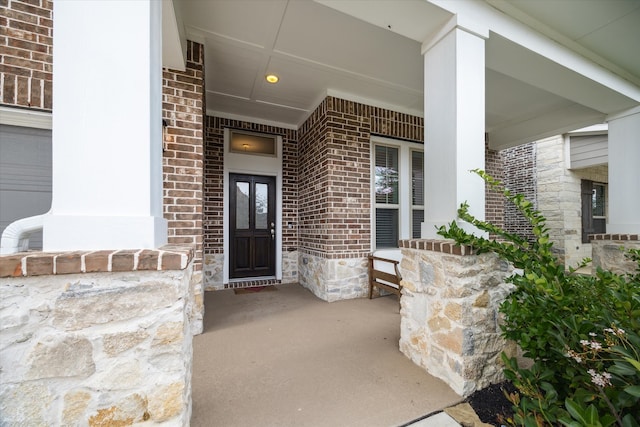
column 273, row 231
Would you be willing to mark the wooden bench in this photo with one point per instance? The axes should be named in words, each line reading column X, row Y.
column 382, row 278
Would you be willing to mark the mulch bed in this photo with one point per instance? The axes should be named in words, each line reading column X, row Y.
column 490, row 402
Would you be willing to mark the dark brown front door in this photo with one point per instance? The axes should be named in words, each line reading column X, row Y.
column 252, row 238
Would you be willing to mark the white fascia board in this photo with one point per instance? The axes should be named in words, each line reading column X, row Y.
column 566, row 54
column 249, row 119
column 25, row 118
column 374, row 103
column 174, row 40
column 621, row 114
column 591, row 130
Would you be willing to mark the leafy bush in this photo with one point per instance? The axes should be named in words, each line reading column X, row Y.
column 582, row 332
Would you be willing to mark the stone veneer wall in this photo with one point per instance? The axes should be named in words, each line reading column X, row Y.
column 109, row 346
column 607, row 253
column 26, row 63
column 334, row 279
column 214, row 203
column 449, row 313
column 539, row 171
column 559, row 198
column 335, row 192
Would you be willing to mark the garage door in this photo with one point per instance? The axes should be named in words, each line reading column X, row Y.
column 25, row 175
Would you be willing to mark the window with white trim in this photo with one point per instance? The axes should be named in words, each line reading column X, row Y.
column 594, row 219
column 417, row 192
column 398, row 191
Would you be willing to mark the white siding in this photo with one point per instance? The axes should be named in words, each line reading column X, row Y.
column 588, row 150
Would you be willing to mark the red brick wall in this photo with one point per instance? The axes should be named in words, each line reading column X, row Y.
column 335, row 174
column 214, row 181
column 494, row 200
column 183, row 109
column 26, row 49
column 520, row 178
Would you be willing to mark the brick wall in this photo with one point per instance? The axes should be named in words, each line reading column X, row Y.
column 520, row 178
column 335, row 174
column 494, row 200
column 214, row 181
column 26, row 62
column 183, row 110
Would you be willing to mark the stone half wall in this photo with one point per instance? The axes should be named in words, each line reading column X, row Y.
column 333, row 279
column 449, row 313
column 97, row 348
column 609, row 252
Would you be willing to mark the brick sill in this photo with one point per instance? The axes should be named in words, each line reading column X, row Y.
column 448, row 247
column 169, row 257
column 616, row 237
column 435, row 245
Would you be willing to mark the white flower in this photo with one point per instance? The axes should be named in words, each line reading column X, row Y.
column 575, row 356
column 601, row 380
column 593, row 334
column 611, row 331
column 595, row 345
column 584, row 342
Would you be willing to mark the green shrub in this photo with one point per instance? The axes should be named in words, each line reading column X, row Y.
column 582, row 332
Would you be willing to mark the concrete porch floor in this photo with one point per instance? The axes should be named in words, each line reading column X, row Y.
column 287, row 358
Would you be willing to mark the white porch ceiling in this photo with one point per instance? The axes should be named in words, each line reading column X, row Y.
column 370, row 51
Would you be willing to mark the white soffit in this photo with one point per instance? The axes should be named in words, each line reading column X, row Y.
column 348, row 45
column 509, row 58
column 414, row 19
column 602, row 34
column 610, row 29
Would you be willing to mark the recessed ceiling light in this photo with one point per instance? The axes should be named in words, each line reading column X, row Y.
column 272, row 78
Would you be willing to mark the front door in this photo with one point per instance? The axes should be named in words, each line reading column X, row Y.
column 252, row 238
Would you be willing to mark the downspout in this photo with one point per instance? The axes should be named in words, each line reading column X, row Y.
column 15, row 238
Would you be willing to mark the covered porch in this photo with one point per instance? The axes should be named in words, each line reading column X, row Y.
column 141, row 155
column 286, row 358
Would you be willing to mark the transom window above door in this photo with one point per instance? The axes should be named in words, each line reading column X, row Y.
column 245, row 142
column 398, row 191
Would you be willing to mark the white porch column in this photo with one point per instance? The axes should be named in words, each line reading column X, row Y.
column 454, row 111
column 107, row 126
column 624, row 173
